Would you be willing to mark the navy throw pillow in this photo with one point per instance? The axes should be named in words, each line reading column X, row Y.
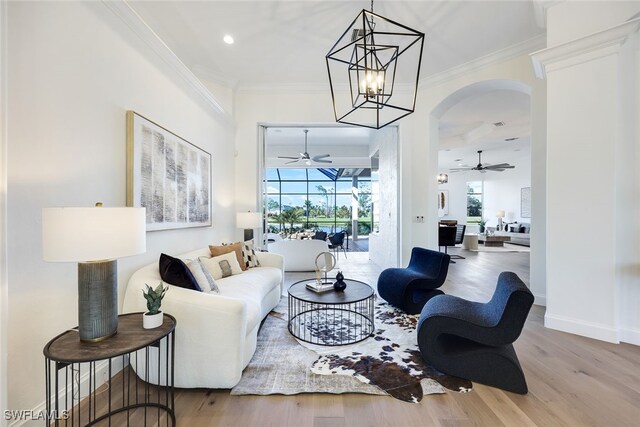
column 176, row 272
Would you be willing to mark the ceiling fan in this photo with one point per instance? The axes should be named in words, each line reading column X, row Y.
column 305, row 156
column 482, row 168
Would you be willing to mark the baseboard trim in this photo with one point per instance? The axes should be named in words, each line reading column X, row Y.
column 102, row 372
column 580, row 327
column 540, row 300
column 630, row 336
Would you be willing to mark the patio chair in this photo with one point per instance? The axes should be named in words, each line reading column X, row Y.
column 336, row 242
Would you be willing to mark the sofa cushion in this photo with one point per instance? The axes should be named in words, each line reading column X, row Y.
column 175, row 272
column 223, row 265
column 251, row 287
column 236, row 248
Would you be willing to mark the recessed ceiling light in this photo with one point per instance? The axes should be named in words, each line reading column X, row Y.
column 457, row 160
column 228, row 39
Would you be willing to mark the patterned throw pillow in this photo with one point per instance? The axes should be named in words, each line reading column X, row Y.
column 249, row 255
column 215, row 265
column 205, row 280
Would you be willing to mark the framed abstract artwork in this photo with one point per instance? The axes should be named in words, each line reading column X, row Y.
column 525, row 202
column 443, row 203
column 167, row 175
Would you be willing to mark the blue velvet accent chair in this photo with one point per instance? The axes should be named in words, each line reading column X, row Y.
column 474, row 340
column 410, row 288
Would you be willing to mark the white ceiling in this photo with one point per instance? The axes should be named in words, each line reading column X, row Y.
column 285, row 42
column 469, row 126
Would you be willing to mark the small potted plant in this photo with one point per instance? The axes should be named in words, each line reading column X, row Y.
column 153, row 318
column 481, row 224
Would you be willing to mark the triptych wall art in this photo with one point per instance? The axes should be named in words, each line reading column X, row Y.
column 167, row 175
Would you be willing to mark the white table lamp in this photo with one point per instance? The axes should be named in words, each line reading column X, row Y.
column 500, row 214
column 94, row 238
column 248, row 221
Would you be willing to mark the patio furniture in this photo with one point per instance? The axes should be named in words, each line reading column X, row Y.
column 336, row 242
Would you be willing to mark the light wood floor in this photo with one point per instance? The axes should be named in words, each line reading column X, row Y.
column 573, row 381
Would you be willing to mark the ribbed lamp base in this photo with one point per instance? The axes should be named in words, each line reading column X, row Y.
column 97, row 300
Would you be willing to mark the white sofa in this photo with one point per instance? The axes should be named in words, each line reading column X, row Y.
column 216, row 334
column 299, row 255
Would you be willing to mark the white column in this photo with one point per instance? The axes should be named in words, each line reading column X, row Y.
column 587, row 171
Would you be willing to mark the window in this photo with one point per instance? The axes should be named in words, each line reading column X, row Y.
column 310, row 198
column 474, row 202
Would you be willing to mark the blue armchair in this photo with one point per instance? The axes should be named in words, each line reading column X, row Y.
column 473, row 340
column 410, row 288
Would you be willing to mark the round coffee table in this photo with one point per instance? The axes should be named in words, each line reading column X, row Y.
column 331, row 318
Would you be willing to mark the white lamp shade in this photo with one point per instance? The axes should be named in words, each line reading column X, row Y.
column 248, row 219
column 500, row 214
column 92, row 234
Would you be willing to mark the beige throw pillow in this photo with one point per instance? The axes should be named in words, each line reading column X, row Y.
column 225, row 249
column 218, row 264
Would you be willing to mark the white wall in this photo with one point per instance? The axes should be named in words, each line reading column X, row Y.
column 384, row 245
column 593, row 107
column 74, row 70
column 4, row 285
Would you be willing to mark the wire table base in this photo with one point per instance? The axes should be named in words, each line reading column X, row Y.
column 332, row 318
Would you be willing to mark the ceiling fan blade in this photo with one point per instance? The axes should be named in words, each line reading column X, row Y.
column 292, row 161
column 321, row 156
column 500, row 166
column 322, row 161
column 287, row 157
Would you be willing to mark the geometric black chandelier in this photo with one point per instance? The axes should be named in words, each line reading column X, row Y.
column 365, row 65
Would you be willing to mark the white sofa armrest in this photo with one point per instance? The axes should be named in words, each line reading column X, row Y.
column 209, row 327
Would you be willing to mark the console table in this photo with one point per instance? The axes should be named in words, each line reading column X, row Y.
column 68, row 362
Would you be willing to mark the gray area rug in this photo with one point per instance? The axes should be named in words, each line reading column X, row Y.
column 388, row 363
column 281, row 365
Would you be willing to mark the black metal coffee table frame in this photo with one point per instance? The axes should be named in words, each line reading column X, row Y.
column 331, row 318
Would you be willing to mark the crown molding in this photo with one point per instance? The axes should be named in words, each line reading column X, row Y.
column 123, row 10
column 540, row 8
column 205, row 73
column 583, row 49
column 511, row 52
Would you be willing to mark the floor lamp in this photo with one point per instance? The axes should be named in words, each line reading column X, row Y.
column 94, row 238
column 248, row 221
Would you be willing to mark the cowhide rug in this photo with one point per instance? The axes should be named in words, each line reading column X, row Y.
column 387, row 363
column 389, row 360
